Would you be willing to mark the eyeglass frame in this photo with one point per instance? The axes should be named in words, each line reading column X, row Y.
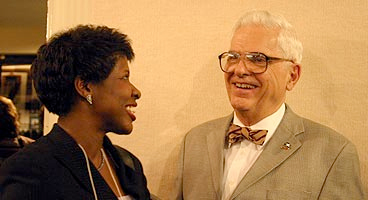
column 268, row 58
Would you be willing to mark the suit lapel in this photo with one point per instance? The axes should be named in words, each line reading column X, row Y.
column 215, row 147
column 273, row 155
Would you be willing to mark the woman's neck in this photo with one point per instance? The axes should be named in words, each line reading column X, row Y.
column 84, row 131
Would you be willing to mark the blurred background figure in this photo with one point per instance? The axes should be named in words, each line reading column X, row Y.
column 10, row 140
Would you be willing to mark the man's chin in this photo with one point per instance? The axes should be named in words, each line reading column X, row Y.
column 241, row 106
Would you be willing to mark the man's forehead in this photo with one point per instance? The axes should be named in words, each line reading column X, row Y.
column 256, row 30
column 255, row 38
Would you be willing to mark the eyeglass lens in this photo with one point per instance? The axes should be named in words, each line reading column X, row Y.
column 254, row 62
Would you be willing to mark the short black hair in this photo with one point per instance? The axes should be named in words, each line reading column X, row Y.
column 8, row 119
column 86, row 51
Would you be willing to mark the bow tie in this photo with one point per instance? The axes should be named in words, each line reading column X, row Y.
column 237, row 134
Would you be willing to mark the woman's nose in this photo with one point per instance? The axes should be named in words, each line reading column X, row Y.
column 136, row 93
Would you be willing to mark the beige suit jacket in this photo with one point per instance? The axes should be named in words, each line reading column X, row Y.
column 320, row 164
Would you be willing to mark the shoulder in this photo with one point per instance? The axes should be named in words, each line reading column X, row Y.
column 123, row 156
column 25, row 140
column 8, row 146
column 309, row 131
column 31, row 155
column 210, row 126
column 319, row 142
column 318, row 138
column 128, row 158
column 323, row 133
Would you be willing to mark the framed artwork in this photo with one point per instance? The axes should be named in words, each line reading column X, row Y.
column 16, row 85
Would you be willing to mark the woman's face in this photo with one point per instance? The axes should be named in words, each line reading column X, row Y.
column 113, row 99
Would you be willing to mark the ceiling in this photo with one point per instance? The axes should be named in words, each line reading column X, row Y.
column 22, row 13
column 22, row 25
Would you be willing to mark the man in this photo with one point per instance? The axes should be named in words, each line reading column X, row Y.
column 277, row 154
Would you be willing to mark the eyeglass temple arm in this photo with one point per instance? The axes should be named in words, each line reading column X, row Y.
column 284, row 59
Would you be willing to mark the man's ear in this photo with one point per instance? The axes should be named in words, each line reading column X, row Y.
column 294, row 75
column 82, row 87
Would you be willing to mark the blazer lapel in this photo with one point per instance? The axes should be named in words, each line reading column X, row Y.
column 273, row 155
column 215, row 147
column 70, row 155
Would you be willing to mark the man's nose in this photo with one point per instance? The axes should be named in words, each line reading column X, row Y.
column 241, row 68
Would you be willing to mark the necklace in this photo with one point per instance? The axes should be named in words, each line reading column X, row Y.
column 102, row 161
column 90, row 173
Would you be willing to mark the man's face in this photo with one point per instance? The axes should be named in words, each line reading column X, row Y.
column 256, row 96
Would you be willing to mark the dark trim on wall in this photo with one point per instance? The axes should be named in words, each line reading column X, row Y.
column 16, row 59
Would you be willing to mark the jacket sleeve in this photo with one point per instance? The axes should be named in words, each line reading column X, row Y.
column 343, row 180
column 177, row 192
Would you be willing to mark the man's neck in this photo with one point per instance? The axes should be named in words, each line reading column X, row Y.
column 251, row 117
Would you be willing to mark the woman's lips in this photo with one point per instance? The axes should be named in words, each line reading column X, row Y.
column 131, row 112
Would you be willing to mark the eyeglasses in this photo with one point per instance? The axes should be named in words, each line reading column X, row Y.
column 255, row 62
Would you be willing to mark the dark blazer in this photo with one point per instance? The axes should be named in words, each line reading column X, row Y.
column 54, row 167
column 320, row 164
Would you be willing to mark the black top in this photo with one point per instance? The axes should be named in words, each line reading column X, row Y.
column 54, row 167
column 9, row 146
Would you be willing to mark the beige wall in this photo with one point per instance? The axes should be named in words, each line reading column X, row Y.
column 177, row 43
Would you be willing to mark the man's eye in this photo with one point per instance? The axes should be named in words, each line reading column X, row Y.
column 257, row 58
column 232, row 58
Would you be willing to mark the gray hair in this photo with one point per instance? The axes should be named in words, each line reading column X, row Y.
column 287, row 40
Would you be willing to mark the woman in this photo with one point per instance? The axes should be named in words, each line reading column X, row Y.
column 82, row 75
column 10, row 140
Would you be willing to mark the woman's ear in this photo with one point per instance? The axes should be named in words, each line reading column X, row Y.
column 82, row 87
column 294, row 76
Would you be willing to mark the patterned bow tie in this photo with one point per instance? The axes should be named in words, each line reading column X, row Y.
column 237, row 134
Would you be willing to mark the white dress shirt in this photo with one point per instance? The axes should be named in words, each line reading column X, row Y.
column 240, row 157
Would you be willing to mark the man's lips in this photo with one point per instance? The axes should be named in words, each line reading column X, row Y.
column 245, row 85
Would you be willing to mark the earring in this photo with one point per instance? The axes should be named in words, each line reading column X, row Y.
column 89, row 99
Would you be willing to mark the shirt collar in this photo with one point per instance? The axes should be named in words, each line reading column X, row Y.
column 269, row 123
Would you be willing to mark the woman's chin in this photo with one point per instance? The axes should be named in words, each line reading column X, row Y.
column 125, row 130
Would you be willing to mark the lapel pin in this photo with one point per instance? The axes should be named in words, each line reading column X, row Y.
column 286, row 146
